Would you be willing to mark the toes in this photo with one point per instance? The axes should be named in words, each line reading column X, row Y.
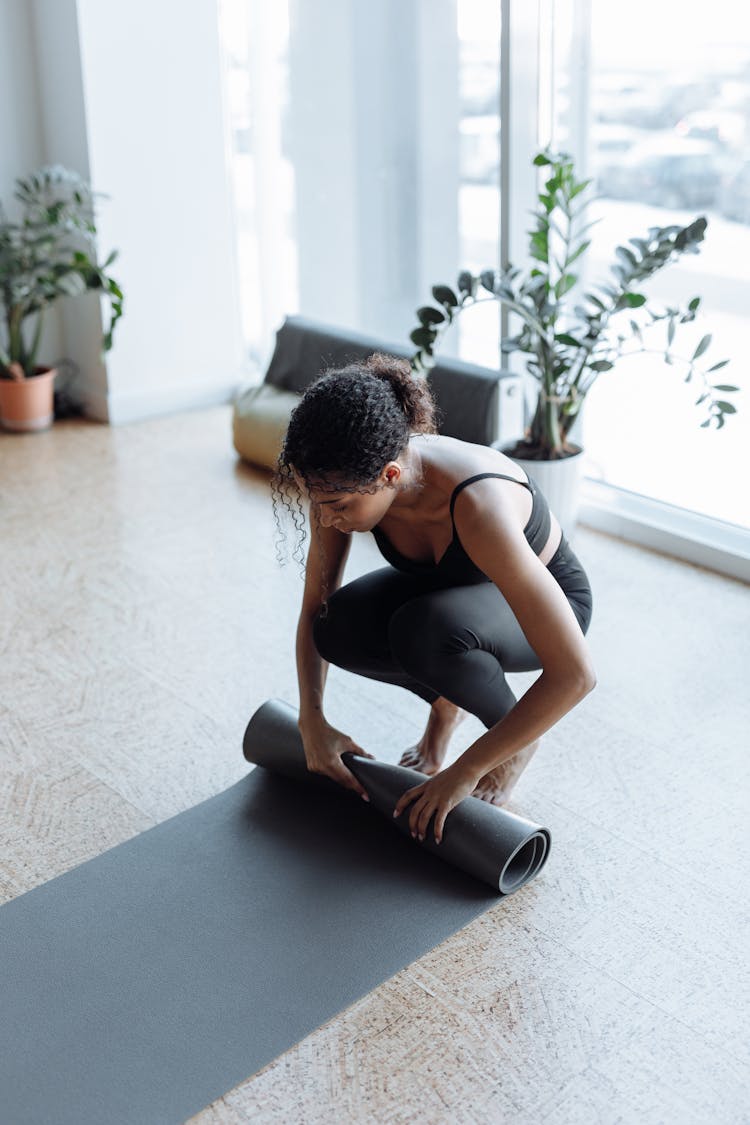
column 414, row 760
column 491, row 795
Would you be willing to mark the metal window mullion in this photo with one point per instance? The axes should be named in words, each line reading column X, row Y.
column 519, row 139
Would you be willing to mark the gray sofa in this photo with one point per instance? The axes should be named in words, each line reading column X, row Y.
column 467, row 396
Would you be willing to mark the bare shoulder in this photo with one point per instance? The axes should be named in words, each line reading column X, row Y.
column 450, row 462
column 457, row 460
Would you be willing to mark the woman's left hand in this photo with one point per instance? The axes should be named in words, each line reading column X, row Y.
column 438, row 795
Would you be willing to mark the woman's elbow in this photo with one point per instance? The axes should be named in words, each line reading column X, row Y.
column 578, row 681
column 574, row 679
column 585, row 680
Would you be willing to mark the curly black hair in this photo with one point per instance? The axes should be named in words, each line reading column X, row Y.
column 348, row 424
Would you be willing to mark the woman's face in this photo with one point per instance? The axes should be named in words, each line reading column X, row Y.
column 350, row 511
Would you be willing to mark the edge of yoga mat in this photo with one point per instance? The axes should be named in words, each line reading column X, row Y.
column 494, row 845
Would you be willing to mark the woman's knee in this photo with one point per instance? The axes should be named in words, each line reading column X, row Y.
column 423, row 637
column 350, row 627
column 332, row 631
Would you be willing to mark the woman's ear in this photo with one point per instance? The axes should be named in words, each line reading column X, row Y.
column 391, row 474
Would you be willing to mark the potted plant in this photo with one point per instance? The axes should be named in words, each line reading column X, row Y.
column 569, row 348
column 50, row 253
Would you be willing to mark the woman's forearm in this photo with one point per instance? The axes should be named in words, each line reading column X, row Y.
column 543, row 705
column 311, row 673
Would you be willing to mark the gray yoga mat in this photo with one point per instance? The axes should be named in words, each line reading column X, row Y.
column 144, row 984
column 492, row 844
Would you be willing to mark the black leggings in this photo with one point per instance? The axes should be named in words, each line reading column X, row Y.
column 457, row 642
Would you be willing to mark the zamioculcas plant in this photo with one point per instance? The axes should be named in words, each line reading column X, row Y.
column 569, row 348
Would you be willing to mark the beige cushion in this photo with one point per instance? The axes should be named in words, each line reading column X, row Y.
column 261, row 417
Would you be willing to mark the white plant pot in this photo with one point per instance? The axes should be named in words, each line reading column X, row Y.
column 559, row 481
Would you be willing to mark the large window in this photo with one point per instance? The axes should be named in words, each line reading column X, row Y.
column 366, row 155
column 656, row 107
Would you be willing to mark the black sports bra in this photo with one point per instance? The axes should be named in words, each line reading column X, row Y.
column 455, row 568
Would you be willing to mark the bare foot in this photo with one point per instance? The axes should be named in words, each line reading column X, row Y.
column 429, row 753
column 497, row 785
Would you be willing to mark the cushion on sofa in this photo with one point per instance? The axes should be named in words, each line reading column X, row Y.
column 260, row 419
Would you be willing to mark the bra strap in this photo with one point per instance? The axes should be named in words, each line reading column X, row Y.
column 482, row 476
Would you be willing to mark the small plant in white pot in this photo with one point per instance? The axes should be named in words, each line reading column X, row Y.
column 50, row 253
column 569, row 348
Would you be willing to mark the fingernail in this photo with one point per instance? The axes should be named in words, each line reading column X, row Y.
column 364, row 797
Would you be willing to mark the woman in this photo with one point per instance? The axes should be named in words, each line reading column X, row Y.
column 481, row 581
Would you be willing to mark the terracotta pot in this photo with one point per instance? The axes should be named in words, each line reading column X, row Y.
column 28, row 404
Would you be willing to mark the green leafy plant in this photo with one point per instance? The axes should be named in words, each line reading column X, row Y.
column 569, row 349
column 50, row 253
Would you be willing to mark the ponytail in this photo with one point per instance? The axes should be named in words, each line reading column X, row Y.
column 412, row 392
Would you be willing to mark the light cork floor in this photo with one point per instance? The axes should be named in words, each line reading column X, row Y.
column 143, row 618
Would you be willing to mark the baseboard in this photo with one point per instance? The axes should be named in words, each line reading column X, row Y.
column 685, row 535
column 136, row 406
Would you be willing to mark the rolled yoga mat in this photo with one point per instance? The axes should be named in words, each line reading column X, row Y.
column 492, row 844
column 139, row 987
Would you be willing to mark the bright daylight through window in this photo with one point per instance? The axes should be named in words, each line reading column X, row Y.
column 353, row 196
column 657, row 106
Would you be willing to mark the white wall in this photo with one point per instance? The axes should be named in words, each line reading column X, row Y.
column 20, row 129
column 57, row 58
column 130, row 96
column 21, row 140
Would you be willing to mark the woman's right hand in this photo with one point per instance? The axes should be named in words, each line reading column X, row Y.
column 324, row 746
